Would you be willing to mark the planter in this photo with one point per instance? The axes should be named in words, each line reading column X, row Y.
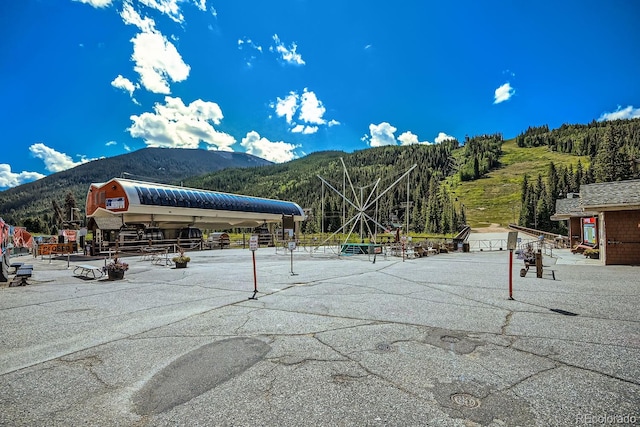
column 115, row 274
column 591, row 253
column 181, row 265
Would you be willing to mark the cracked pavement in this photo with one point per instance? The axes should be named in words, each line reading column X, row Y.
column 345, row 341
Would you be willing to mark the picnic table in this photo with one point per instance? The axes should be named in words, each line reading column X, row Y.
column 84, row 270
column 157, row 255
column 150, row 253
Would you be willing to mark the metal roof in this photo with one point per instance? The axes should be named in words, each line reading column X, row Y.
column 152, row 194
column 202, row 199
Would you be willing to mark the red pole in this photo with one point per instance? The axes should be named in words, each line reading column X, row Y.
column 255, row 276
column 511, row 274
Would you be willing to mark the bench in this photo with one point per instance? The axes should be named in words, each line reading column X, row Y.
column 422, row 251
column 581, row 247
column 16, row 266
column 23, row 273
column 84, row 270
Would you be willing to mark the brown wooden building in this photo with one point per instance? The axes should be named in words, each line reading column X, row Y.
column 615, row 206
column 570, row 210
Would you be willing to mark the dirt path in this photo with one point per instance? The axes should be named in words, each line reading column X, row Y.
column 493, row 228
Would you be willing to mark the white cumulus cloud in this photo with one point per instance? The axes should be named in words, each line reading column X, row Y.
column 96, row 3
column 126, row 85
column 443, row 137
column 174, row 124
column 384, row 134
column 306, row 130
column 621, row 113
column 54, row 161
column 157, row 61
column 305, row 112
column 13, row 179
column 503, row 93
column 277, row 152
column 202, row 5
column 130, row 16
column 288, row 55
column 409, row 138
column 311, row 108
column 286, row 107
column 167, row 7
column 381, row 134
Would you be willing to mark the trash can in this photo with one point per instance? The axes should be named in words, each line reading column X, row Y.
column 465, row 247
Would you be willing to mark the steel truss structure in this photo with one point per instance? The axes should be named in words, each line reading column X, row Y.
column 361, row 205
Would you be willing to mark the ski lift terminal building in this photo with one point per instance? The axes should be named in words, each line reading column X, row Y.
column 125, row 203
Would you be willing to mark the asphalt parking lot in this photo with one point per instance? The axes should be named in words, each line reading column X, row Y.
column 343, row 341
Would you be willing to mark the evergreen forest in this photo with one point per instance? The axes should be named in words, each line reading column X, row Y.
column 613, row 149
column 392, row 180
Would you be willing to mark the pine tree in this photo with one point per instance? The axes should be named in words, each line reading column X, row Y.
column 605, row 161
column 579, row 176
column 523, row 220
column 552, row 184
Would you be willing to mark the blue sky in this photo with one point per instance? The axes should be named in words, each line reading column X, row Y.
column 86, row 79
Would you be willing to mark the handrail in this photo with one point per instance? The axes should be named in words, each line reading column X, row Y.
column 463, row 234
column 534, row 232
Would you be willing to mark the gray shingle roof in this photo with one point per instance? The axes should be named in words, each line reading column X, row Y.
column 618, row 193
column 568, row 206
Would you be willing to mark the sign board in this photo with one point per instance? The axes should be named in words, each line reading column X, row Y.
column 292, row 245
column 512, row 240
column 115, row 203
column 288, row 225
column 253, row 242
column 589, row 232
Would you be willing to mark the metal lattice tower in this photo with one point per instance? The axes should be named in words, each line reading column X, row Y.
column 361, row 205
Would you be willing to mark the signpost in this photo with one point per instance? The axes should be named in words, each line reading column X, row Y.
column 253, row 246
column 292, row 246
column 512, row 243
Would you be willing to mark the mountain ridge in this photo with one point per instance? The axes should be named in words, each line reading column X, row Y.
column 166, row 165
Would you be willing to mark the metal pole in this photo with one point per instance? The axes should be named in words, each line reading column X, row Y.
column 361, row 219
column 322, row 214
column 344, row 190
column 511, row 274
column 407, row 208
column 255, row 276
column 291, row 250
